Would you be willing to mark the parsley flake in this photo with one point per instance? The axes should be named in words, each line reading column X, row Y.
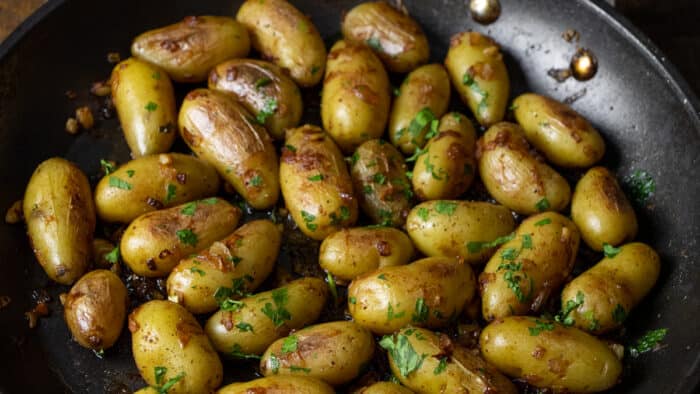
column 648, row 342
column 187, row 237
column 640, row 186
column 476, row 247
column 316, row 178
column 564, row 317
column 421, row 312
column 289, row 344
column 264, row 81
column 402, row 353
column 539, row 327
column 268, row 110
column 113, row 256
column 170, row 193
column 278, row 314
column 619, row 314
column 308, row 221
column 151, row 106
column 237, row 352
column 542, row 205
column 189, row 209
column 441, row 367
column 610, row 251
column 107, row 166
column 244, row 327
column 543, row 222
column 445, row 207
column 391, row 315
column 119, row 183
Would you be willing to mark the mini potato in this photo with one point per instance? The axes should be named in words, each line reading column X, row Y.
column 153, row 182
column 546, row 354
column 384, row 388
column 349, row 253
column 426, row 293
column 155, row 242
column 316, row 185
column 95, row 309
column 602, row 297
column 559, row 132
column 220, row 131
column 250, row 253
column 446, row 169
column 355, row 97
column 514, row 177
column 378, row 173
column 334, row 352
column 446, row 367
column 394, row 36
column 279, row 385
column 145, row 102
column 287, row 37
column 60, row 217
column 475, row 64
column 167, row 343
column 448, row 228
column 534, row 262
column 423, row 98
column 601, row 210
column 248, row 327
column 187, row 50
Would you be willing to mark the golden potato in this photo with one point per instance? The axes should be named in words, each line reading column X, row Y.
column 384, row 388
column 280, row 384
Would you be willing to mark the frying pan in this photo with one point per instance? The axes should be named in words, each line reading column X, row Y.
column 643, row 108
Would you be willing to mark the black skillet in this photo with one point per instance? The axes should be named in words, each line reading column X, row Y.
column 644, row 109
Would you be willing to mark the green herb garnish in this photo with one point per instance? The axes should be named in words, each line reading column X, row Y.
column 648, row 342
column 189, row 209
column 151, row 106
column 107, row 166
column 564, row 317
column 237, row 352
column 264, row 81
column 543, row 222
column 278, row 314
column 268, row 110
column 441, row 367
column 289, row 344
column 640, row 186
column 256, row 181
column 308, row 220
column 331, row 286
column 402, row 353
column 539, row 327
column 542, row 205
column 113, row 256
column 445, row 207
column 316, row 178
column 170, row 193
column 610, row 251
column 476, row 247
column 187, row 237
column 119, row 183
column 244, row 327
column 391, row 315
column 421, row 312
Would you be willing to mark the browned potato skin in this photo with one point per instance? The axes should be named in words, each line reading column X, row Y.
column 151, row 247
column 95, row 309
column 387, row 198
column 60, row 217
column 221, row 131
column 601, row 210
column 544, row 267
column 513, row 176
column 187, row 50
column 308, row 152
column 402, row 44
column 245, row 80
column 384, row 388
column 279, row 385
column 286, row 37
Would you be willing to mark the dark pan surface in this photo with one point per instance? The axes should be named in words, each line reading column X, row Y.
column 644, row 110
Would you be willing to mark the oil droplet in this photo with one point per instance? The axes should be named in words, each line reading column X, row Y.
column 584, row 64
column 485, row 11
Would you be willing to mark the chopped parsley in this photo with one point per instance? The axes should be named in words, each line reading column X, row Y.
column 189, row 209
column 610, row 251
column 379, row 178
column 289, row 344
column 198, row 270
column 130, row 173
column 543, row 222
column 308, row 220
column 274, row 364
column 648, row 342
column 170, row 193
column 244, row 327
column 230, row 305
column 352, row 300
column 187, row 237
column 268, row 110
column 476, row 247
column 373, row 42
column 421, row 312
column 527, row 241
column 113, row 256
column 367, row 189
column 295, row 368
column 445, row 207
column 119, row 183
column 402, row 353
column 619, row 314
column 431, row 168
column 640, row 186
column 513, row 280
column 331, row 286
column 391, row 315
column 237, row 352
column 354, row 158
column 564, row 317
column 424, row 117
column 542, row 205
column 423, row 213
column 416, row 154
column 278, row 314
column 441, row 367
column 256, row 181
column 316, row 178
column 539, row 327
column 264, row 81
column 161, row 387
column 151, row 106
column 468, row 79
column 107, row 166
column 593, row 323
column 381, row 276
column 290, row 148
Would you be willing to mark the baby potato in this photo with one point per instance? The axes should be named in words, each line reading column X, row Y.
column 155, row 242
column 187, row 50
column 168, row 344
column 60, row 217
column 514, row 177
column 394, row 36
column 286, row 37
column 379, row 171
column 153, row 182
column 95, row 308
column 546, row 354
column 145, row 102
column 560, row 133
column 423, row 98
column 599, row 299
column 446, row 367
column 249, row 326
column 601, row 210
column 222, row 132
column 250, row 253
column 355, row 96
column 263, row 89
column 384, row 388
column 316, row 185
column 475, row 64
column 532, row 263
column 279, row 384
column 445, row 169
column 454, row 121
column 426, row 293
column 334, row 352
column 349, row 253
column 461, row 229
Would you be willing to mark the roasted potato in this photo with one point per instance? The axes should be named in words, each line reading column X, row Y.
column 384, row 388
column 279, row 385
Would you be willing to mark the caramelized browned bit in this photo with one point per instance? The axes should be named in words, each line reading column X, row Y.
column 101, row 88
column 72, row 126
column 571, row 35
column 485, row 11
column 85, row 118
column 14, row 214
column 33, row 316
column 559, row 74
column 114, row 57
column 584, row 64
column 575, row 96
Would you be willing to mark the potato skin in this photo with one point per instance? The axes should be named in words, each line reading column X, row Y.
column 222, row 132
column 250, row 252
column 187, row 50
column 279, row 385
column 559, row 132
column 305, row 298
column 255, row 82
column 446, row 227
column 164, row 334
column 145, row 102
column 384, row 388
column 612, row 288
column 316, row 185
column 60, row 216
column 514, row 177
column 152, row 247
column 95, row 309
column 334, row 352
column 149, row 179
column 355, row 96
column 601, row 210
column 402, row 45
column 425, row 87
column 349, row 253
column 285, row 36
column 564, row 358
column 538, row 259
column 425, row 293
column 475, row 64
